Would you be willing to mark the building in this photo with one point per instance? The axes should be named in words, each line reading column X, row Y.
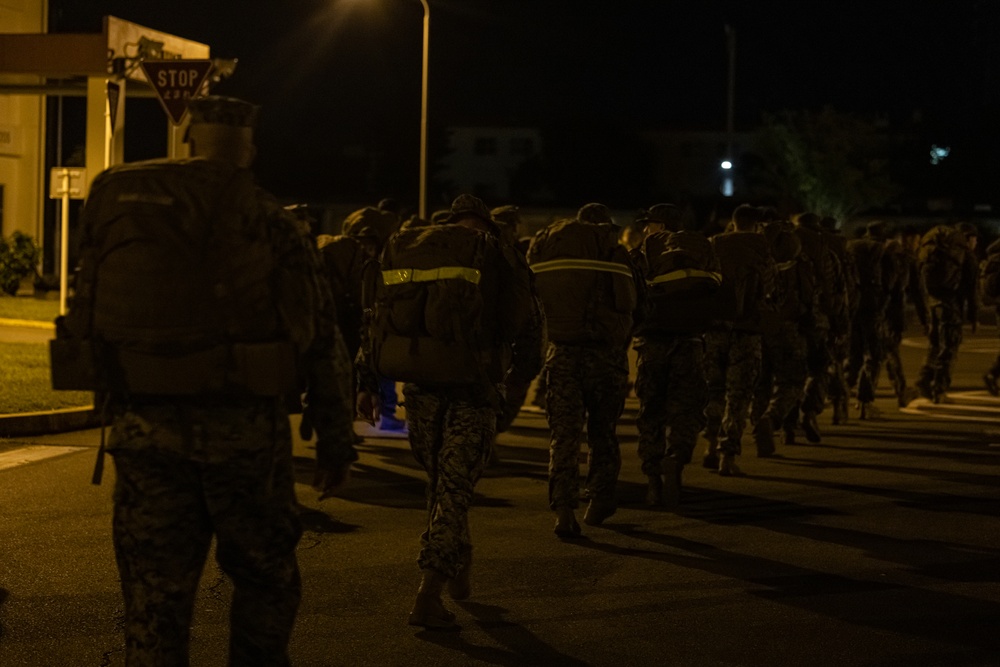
column 482, row 160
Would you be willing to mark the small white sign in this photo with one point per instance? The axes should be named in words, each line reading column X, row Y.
column 10, row 140
column 60, row 185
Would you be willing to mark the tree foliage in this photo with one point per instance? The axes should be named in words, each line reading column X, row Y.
column 832, row 164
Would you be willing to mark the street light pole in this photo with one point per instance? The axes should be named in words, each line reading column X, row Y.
column 422, row 209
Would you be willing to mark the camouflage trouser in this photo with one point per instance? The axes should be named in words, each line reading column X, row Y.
column 670, row 385
column 818, row 358
column 783, row 374
column 865, row 361
column 167, row 507
column 584, row 384
column 451, row 439
column 891, row 341
column 732, row 364
column 515, row 392
column 838, row 389
column 944, row 339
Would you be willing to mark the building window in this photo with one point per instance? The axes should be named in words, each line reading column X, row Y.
column 522, row 146
column 485, row 146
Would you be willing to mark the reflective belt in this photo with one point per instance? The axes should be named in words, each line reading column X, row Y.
column 681, row 274
column 401, row 276
column 581, row 264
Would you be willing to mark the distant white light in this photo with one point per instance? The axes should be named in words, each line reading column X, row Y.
column 726, row 164
column 727, row 186
column 938, row 153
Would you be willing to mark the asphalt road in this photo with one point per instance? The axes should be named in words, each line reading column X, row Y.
column 879, row 546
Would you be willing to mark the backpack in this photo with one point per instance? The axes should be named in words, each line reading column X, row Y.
column 743, row 259
column 585, row 281
column 989, row 275
column 682, row 274
column 174, row 292
column 866, row 255
column 941, row 256
column 441, row 314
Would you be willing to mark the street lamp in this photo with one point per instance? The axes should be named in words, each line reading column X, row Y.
column 422, row 208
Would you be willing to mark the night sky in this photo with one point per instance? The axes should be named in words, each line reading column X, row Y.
column 335, row 74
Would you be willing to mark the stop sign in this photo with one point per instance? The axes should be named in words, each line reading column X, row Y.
column 176, row 83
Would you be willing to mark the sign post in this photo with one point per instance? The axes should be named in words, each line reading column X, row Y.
column 65, row 183
column 176, row 83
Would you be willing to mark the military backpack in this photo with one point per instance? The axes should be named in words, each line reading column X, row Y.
column 440, row 314
column 174, row 291
column 585, row 282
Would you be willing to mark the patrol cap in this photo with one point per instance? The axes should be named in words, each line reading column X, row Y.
column 595, row 213
column 667, row 215
column 465, row 206
column 219, row 110
column 967, row 228
column 508, row 215
column 876, row 229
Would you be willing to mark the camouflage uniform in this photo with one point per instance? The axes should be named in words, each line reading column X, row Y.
column 945, row 324
column 585, row 385
column 193, row 467
column 451, row 434
column 732, row 365
column 670, row 385
column 831, row 325
column 844, row 305
column 733, row 349
column 875, row 271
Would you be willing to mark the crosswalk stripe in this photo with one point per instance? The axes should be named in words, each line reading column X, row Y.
column 32, row 453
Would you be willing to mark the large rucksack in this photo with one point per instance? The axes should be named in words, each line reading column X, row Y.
column 585, row 281
column 683, row 280
column 174, row 293
column 747, row 268
column 866, row 255
column 941, row 257
column 441, row 313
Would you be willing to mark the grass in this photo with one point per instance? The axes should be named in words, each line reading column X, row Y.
column 27, row 386
column 28, row 308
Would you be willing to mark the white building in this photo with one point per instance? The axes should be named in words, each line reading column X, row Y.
column 481, row 160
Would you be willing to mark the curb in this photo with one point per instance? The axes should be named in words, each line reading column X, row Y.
column 28, row 324
column 53, row 421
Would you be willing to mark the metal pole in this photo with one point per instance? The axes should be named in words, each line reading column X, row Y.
column 731, row 89
column 422, row 209
column 64, row 244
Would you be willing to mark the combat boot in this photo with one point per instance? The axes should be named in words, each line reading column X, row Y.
column 460, row 586
column 672, row 470
column 869, row 411
column 840, row 411
column 654, row 490
column 566, row 525
column 711, row 460
column 763, row 437
column 428, row 610
column 598, row 511
column 727, row 465
column 990, row 381
column 810, row 426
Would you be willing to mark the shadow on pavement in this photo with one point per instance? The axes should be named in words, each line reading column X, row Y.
column 521, row 647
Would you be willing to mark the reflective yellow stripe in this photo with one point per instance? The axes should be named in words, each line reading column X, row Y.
column 401, row 276
column 680, row 274
column 581, row 264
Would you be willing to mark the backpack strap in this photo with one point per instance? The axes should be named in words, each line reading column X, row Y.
column 686, row 274
column 403, row 276
column 581, row 264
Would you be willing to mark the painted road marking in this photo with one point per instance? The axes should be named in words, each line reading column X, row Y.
column 32, row 453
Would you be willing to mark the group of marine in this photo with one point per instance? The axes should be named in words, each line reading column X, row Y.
column 767, row 321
